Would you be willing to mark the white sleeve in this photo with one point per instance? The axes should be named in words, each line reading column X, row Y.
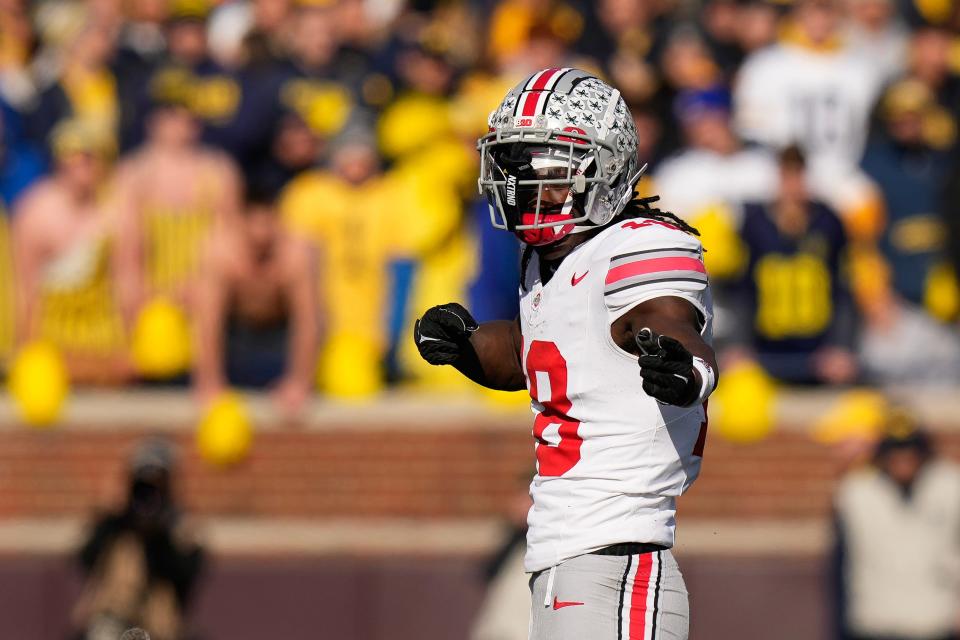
column 759, row 107
column 672, row 265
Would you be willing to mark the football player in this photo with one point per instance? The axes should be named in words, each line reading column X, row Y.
column 613, row 343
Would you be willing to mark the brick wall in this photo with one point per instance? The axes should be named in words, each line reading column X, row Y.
column 390, row 472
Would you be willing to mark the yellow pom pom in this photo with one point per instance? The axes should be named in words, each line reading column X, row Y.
column 859, row 414
column 39, row 384
column 743, row 406
column 349, row 367
column 724, row 254
column 226, row 431
column 942, row 295
column 161, row 340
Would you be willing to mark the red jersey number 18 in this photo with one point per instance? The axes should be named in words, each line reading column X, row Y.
column 547, row 374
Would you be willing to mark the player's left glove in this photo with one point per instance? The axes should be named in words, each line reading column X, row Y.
column 443, row 332
column 667, row 369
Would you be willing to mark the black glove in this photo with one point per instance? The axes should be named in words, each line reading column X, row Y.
column 442, row 333
column 667, row 369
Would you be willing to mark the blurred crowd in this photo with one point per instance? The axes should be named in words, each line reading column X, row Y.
column 266, row 192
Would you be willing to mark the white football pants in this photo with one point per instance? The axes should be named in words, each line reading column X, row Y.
column 600, row 597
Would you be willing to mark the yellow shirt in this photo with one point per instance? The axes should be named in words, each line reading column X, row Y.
column 174, row 237
column 355, row 228
column 431, row 187
column 77, row 308
column 93, row 97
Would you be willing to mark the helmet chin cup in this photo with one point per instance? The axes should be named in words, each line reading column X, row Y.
column 544, row 236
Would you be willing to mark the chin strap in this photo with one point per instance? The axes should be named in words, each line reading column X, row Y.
column 632, row 182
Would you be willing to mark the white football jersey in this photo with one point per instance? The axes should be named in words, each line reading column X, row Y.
column 611, row 460
column 788, row 94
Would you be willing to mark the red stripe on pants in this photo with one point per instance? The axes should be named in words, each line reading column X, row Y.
column 638, row 601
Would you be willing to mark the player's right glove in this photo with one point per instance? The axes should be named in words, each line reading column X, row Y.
column 667, row 369
column 443, row 332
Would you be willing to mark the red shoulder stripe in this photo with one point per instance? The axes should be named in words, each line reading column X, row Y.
column 653, row 265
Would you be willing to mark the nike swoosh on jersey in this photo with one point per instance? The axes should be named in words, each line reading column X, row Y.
column 574, row 280
column 424, row 338
column 557, row 604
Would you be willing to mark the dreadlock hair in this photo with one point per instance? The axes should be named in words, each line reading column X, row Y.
column 636, row 208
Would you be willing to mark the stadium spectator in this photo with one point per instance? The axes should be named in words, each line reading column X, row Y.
column 257, row 312
column 949, row 208
column 168, row 195
column 901, row 345
column 758, row 21
column 684, row 63
column 810, row 90
column 908, row 494
column 420, row 113
column 311, row 81
column 515, row 23
column 908, row 160
column 236, row 116
column 140, row 49
column 348, row 211
column 81, row 84
column 931, row 62
column 687, row 62
column 16, row 48
column 186, row 34
column 793, row 296
column 366, row 52
column 875, row 32
column 21, row 159
column 295, row 148
column 623, row 38
column 714, row 168
column 141, row 562
column 720, row 24
column 62, row 251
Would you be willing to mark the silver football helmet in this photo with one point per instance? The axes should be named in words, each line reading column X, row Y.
column 560, row 156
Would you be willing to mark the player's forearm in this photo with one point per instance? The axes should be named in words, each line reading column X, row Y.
column 678, row 366
column 494, row 359
column 695, row 344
